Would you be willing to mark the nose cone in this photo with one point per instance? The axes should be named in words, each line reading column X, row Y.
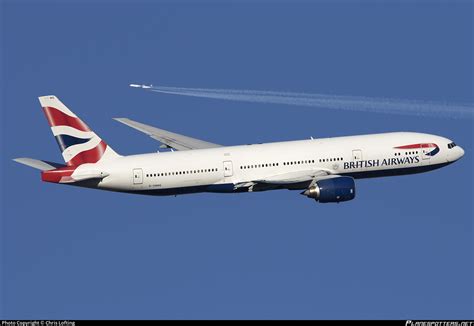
column 455, row 153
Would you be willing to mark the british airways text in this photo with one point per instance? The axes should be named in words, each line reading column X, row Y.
column 384, row 162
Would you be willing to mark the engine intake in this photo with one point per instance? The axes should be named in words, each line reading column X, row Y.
column 332, row 190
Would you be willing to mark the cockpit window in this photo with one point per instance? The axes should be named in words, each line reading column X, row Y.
column 451, row 145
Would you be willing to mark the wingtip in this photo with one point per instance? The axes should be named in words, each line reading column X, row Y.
column 21, row 160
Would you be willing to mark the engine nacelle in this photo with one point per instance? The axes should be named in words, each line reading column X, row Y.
column 332, row 190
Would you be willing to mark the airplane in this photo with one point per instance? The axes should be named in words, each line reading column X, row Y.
column 324, row 169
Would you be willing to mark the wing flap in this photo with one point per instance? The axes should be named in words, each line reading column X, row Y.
column 294, row 177
column 289, row 180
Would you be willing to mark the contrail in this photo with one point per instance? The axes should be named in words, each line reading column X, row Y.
column 337, row 102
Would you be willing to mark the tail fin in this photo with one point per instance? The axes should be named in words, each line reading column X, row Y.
column 77, row 142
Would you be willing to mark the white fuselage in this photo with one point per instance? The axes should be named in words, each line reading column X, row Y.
column 236, row 168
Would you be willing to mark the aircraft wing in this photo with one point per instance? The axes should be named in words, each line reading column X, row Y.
column 290, row 180
column 168, row 138
column 293, row 177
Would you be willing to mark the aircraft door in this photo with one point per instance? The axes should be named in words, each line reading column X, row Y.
column 137, row 176
column 228, row 170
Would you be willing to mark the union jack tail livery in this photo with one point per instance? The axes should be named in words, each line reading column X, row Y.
column 77, row 142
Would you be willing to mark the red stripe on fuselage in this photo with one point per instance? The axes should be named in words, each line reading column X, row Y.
column 58, row 118
column 425, row 145
column 90, row 156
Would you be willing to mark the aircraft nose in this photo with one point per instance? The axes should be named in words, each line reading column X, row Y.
column 455, row 154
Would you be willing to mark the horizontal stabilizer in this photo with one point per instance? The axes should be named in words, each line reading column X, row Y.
column 83, row 176
column 38, row 164
column 69, row 174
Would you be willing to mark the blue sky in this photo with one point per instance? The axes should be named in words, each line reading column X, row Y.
column 402, row 249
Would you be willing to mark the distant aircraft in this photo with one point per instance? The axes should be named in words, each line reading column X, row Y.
column 324, row 169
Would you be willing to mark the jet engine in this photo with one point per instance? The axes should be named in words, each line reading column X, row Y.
column 332, row 190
